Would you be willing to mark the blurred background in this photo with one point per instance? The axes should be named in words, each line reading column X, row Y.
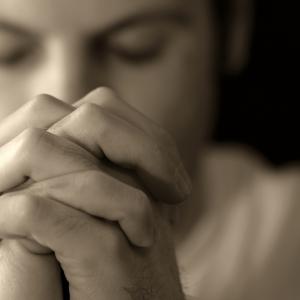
column 260, row 107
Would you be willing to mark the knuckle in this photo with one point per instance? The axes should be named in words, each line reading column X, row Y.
column 96, row 115
column 31, row 135
column 29, row 144
column 105, row 95
column 86, row 110
column 30, row 138
column 39, row 103
column 25, row 208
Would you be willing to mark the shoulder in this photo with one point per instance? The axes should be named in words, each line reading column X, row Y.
column 252, row 228
column 234, row 172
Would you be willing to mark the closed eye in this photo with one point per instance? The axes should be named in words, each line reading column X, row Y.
column 136, row 53
column 137, row 45
column 14, row 49
column 15, row 57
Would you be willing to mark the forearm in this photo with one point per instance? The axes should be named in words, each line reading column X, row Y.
column 158, row 276
column 27, row 276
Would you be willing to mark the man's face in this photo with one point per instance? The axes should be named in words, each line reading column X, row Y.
column 157, row 55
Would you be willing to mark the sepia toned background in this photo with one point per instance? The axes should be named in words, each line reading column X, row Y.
column 259, row 107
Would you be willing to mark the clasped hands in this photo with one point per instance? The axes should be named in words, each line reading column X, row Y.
column 85, row 182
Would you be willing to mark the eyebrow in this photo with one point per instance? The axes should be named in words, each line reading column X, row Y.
column 176, row 17
column 173, row 16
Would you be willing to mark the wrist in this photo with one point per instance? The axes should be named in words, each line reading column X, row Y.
column 24, row 275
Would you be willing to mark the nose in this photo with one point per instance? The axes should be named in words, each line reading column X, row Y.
column 63, row 72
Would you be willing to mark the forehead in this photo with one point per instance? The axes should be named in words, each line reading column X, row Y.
column 85, row 15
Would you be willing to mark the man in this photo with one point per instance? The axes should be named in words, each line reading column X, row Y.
column 90, row 179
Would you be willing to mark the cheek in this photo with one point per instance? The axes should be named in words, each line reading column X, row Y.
column 178, row 92
column 13, row 93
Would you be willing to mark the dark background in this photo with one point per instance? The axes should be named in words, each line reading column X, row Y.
column 260, row 107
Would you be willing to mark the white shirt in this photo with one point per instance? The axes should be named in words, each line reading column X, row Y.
column 246, row 242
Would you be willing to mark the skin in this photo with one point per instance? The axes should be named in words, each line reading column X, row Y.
column 63, row 62
column 42, row 211
column 158, row 59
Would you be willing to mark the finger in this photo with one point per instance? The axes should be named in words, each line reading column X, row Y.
column 126, row 145
column 103, row 196
column 39, row 155
column 41, row 112
column 108, row 99
column 75, row 237
column 26, row 276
